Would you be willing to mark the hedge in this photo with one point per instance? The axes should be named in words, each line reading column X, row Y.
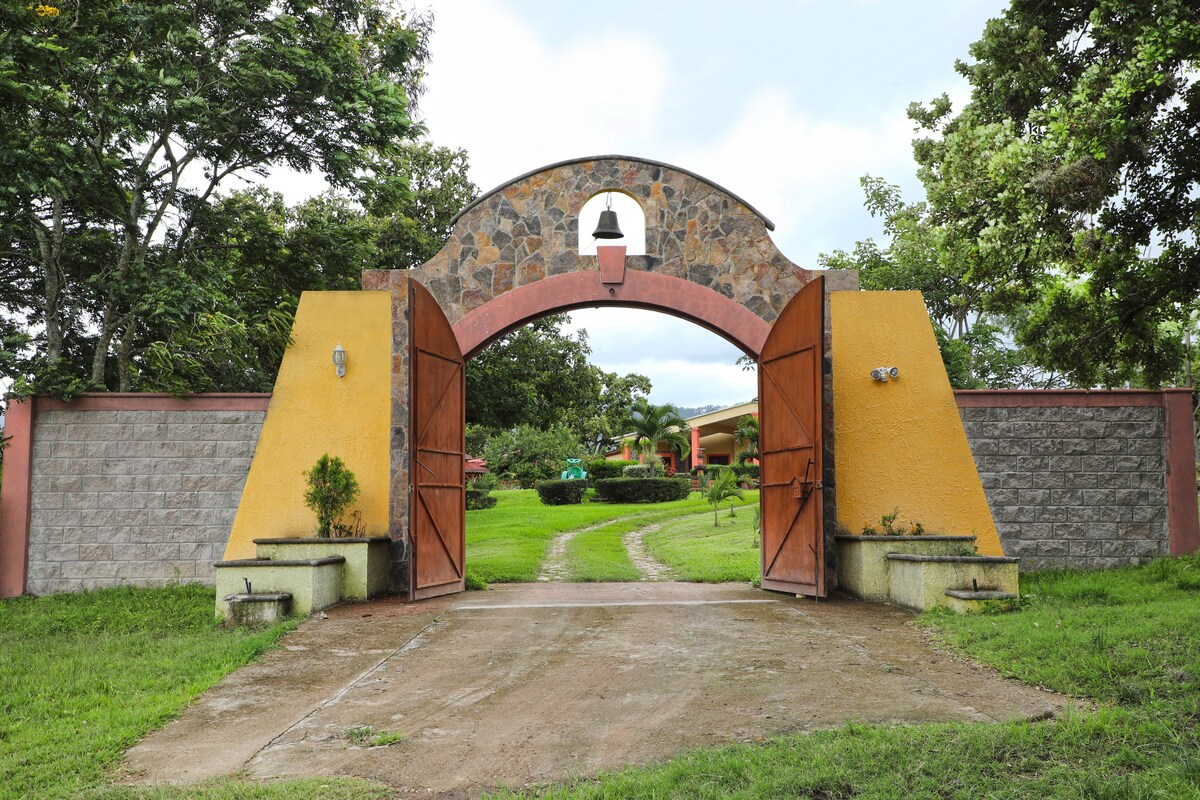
column 479, row 499
column 642, row 490
column 599, row 468
column 561, row 493
column 637, row 471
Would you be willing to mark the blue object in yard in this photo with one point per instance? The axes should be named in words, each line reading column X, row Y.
column 574, row 472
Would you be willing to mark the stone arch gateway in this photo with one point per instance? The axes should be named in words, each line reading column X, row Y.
column 513, row 256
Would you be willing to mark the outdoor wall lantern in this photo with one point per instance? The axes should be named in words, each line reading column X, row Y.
column 882, row 374
column 339, row 360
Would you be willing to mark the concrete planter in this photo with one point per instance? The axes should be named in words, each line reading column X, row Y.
column 863, row 560
column 260, row 608
column 364, row 571
column 921, row 582
column 314, row 584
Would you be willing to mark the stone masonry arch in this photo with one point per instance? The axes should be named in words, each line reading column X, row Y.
column 527, row 231
column 513, row 256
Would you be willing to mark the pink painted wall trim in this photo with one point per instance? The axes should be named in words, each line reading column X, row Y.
column 15, row 498
column 135, row 401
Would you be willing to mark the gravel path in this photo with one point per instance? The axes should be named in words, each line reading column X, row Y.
column 651, row 568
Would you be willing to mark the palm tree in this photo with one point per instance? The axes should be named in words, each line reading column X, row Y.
column 745, row 434
column 651, row 423
column 723, row 488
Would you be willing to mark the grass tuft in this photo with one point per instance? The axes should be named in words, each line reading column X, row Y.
column 698, row 551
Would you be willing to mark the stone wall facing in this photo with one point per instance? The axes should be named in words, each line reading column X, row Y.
column 1083, row 483
column 142, row 495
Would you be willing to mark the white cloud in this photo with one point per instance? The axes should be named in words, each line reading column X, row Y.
column 687, row 364
column 803, row 172
column 516, row 102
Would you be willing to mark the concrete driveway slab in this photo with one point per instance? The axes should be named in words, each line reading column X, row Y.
column 536, row 682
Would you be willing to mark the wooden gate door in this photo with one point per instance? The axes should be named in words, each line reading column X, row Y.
column 438, row 442
column 790, row 405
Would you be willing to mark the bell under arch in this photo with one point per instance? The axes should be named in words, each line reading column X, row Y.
column 527, row 230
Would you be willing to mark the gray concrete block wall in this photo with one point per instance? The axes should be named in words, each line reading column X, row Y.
column 134, row 497
column 1081, row 487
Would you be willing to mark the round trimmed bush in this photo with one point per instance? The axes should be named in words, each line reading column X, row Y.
column 637, row 471
column 599, row 468
column 479, row 499
column 561, row 493
column 643, row 490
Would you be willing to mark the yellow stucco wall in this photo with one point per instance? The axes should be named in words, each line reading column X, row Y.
column 900, row 444
column 313, row 411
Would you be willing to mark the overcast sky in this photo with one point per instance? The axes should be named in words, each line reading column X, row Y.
column 785, row 103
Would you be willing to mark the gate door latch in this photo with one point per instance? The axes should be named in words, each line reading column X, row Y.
column 803, row 489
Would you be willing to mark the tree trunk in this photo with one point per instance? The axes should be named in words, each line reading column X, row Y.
column 50, row 245
column 125, row 357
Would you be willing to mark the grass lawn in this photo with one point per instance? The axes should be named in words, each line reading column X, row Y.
column 699, row 551
column 84, row 676
column 1129, row 638
column 507, row 544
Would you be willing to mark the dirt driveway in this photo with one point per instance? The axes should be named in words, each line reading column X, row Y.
column 536, row 682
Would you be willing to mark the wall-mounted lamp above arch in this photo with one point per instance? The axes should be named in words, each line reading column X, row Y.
column 630, row 215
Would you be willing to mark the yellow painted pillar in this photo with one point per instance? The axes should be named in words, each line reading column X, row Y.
column 900, row 443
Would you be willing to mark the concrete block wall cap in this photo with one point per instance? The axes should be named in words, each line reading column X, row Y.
column 955, row 559
column 258, row 597
column 319, row 540
column 982, row 594
column 287, row 562
column 854, row 537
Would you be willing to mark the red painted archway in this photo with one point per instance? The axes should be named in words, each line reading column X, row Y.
column 670, row 295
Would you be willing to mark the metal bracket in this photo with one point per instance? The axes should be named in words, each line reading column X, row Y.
column 803, row 489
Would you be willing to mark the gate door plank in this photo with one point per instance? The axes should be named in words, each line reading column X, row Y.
column 790, row 400
column 438, row 445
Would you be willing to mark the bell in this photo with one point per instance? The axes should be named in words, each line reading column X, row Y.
column 607, row 227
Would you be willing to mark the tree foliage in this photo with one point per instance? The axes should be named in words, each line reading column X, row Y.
column 723, row 489
column 539, row 376
column 122, row 121
column 527, row 455
column 1061, row 201
column 745, row 437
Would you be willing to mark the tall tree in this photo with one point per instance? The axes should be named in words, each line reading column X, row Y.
column 1068, row 183
column 540, row 376
column 235, row 286
column 976, row 343
column 122, row 118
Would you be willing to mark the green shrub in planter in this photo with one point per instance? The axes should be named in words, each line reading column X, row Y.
column 479, row 499
column 332, row 487
column 643, row 490
column 599, row 468
column 561, row 493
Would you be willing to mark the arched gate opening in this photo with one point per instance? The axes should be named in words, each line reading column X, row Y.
column 514, row 255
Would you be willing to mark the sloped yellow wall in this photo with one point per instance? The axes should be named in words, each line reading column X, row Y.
column 900, row 444
column 313, row 411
